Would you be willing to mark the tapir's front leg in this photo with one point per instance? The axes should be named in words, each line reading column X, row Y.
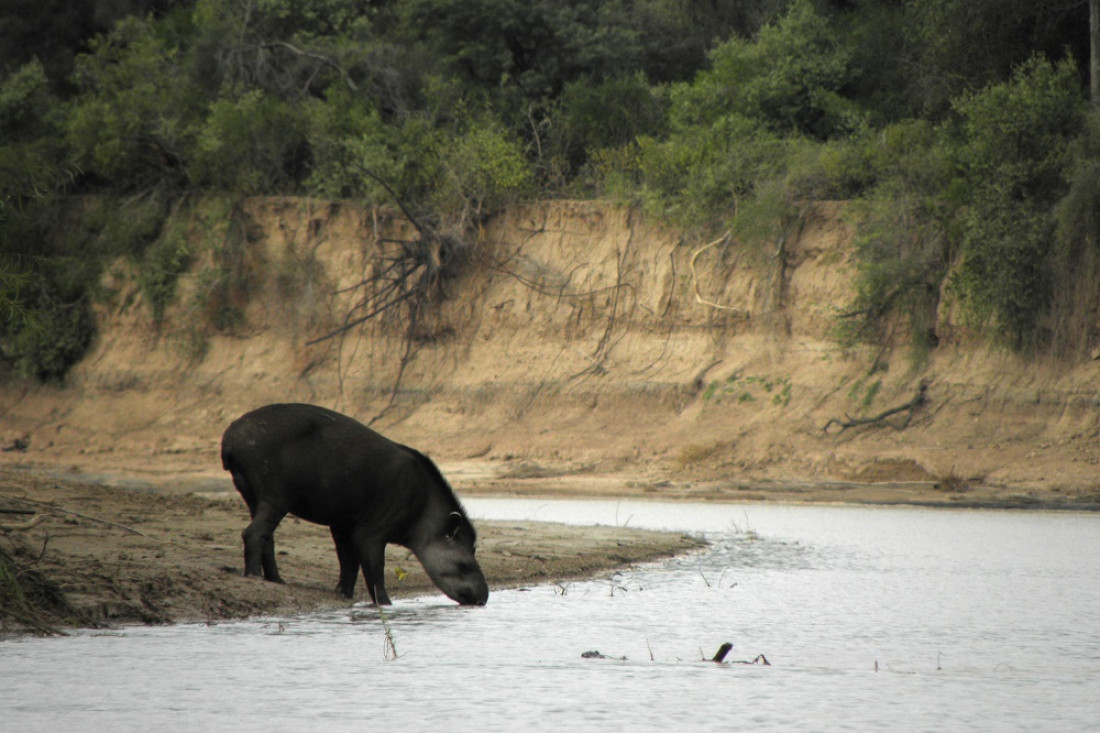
column 349, row 562
column 372, row 555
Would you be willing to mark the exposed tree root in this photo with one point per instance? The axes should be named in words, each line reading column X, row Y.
column 918, row 401
column 29, row 601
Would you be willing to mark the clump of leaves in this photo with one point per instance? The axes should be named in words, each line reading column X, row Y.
column 160, row 268
column 743, row 388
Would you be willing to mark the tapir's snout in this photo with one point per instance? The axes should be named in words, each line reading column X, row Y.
column 455, row 572
column 474, row 595
column 469, row 588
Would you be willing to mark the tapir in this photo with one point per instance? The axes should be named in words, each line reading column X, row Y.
column 332, row 470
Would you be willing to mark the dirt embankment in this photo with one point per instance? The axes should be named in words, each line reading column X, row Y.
column 582, row 350
column 581, row 340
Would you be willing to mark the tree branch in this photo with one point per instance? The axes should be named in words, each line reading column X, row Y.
column 316, row 57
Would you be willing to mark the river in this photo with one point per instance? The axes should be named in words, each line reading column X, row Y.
column 880, row 618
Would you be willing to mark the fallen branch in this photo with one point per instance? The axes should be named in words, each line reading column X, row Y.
column 53, row 509
column 23, row 526
column 919, row 400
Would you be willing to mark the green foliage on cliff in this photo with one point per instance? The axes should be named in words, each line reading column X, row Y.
column 959, row 128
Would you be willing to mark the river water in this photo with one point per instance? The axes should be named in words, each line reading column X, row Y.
column 871, row 618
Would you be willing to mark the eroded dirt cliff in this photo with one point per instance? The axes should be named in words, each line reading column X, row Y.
column 581, row 348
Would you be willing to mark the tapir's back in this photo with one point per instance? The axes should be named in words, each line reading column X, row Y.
column 322, row 466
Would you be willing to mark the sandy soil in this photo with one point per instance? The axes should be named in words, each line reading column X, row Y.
column 126, row 555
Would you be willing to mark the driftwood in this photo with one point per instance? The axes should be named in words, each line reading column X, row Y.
column 720, row 657
column 594, row 654
column 919, row 400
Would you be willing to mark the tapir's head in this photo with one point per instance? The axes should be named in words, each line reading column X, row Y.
column 448, row 558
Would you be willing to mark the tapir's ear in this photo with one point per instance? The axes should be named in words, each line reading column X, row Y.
column 454, row 525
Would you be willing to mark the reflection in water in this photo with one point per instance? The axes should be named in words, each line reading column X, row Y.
column 987, row 621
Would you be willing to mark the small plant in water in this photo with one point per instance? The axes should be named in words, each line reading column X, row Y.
column 389, row 645
column 706, row 580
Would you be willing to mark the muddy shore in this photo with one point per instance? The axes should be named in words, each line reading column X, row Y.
column 109, row 555
column 115, row 550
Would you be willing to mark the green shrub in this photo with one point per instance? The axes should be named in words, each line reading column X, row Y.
column 608, row 114
column 220, row 229
column 335, row 126
column 160, row 268
column 1015, row 144
column 52, row 254
column 1076, row 305
column 12, row 283
column 699, row 174
column 613, row 172
column 789, row 78
column 251, row 145
column 483, row 169
column 904, row 236
column 49, row 339
column 132, row 121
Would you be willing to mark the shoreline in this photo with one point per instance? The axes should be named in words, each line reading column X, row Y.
column 165, row 548
column 493, row 480
column 109, row 555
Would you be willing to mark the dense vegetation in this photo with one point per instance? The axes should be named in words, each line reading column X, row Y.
column 961, row 129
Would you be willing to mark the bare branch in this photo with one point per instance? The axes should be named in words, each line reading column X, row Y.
column 401, row 204
column 363, row 319
column 316, row 57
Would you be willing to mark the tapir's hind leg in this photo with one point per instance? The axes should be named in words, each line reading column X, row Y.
column 259, row 541
column 349, row 561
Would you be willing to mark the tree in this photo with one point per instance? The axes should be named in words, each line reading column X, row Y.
column 962, row 45
column 791, row 78
column 133, row 119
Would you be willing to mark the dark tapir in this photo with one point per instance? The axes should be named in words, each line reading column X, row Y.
column 330, row 469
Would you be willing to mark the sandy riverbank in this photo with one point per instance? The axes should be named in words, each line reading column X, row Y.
column 112, row 555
